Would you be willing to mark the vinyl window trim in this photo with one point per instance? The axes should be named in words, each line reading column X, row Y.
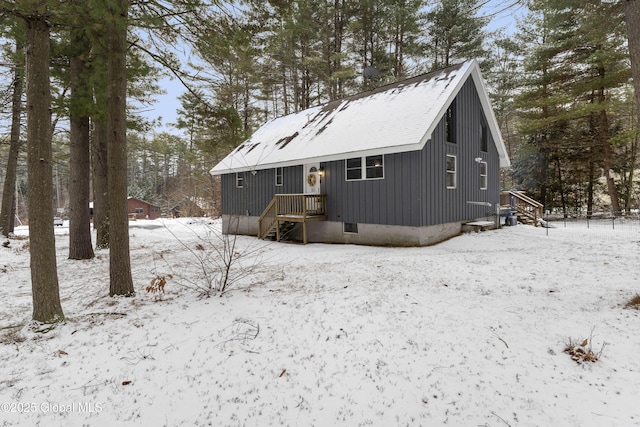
column 364, row 169
column 451, row 172
column 484, row 181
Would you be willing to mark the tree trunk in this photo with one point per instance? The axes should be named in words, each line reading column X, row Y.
column 79, row 168
column 632, row 20
column 592, row 178
column 121, row 282
column 99, row 161
column 607, row 154
column 44, row 274
column 7, row 211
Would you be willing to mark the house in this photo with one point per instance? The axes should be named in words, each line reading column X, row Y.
column 187, row 208
column 405, row 164
column 139, row 209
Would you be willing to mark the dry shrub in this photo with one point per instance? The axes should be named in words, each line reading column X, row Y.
column 157, row 284
column 12, row 335
column 634, row 302
column 582, row 351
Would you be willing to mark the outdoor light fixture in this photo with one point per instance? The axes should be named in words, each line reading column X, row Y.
column 478, row 159
column 321, row 173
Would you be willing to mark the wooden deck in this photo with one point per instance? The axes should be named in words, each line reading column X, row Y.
column 301, row 208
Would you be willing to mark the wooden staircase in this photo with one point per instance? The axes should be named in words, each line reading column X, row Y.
column 291, row 208
column 528, row 210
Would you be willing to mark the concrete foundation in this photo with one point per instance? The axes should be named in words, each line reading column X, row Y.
column 368, row 234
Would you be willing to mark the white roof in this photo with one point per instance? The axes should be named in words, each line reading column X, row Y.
column 390, row 119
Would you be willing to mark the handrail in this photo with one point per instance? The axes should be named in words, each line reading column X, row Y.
column 526, row 206
column 299, row 206
column 526, row 198
column 268, row 220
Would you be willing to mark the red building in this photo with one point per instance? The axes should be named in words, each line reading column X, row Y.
column 139, row 209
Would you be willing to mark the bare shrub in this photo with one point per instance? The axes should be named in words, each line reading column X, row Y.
column 12, row 335
column 220, row 266
column 634, row 302
column 582, row 350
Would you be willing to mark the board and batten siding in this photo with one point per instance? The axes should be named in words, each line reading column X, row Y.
column 392, row 200
column 258, row 190
column 445, row 205
column 414, row 192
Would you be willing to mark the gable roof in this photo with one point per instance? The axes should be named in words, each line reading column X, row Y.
column 390, row 119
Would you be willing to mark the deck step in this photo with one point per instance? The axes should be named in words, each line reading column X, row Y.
column 478, row 226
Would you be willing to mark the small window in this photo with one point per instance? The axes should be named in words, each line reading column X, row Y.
column 139, row 210
column 239, row 180
column 451, row 171
column 450, row 122
column 354, row 169
column 375, row 167
column 350, row 227
column 483, row 175
column 279, row 177
column 484, row 139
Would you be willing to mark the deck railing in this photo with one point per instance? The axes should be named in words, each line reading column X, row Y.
column 291, row 207
column 267, row 220
column 526, row 207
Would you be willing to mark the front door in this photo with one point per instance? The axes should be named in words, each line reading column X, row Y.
column 312, row 178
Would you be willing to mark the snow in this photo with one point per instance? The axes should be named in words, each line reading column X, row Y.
column 392, row 119
column 469, row 332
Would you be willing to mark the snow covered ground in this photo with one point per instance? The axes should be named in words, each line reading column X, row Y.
column 470, row 332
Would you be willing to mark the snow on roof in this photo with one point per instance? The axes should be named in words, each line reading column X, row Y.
column 390, row 119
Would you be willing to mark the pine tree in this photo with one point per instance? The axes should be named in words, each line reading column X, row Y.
column 455, row 32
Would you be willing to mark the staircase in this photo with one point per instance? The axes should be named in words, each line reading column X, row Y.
column 291, row 208
column 528, row 210
column 286, row 227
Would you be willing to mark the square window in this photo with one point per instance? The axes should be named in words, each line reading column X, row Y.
column 354, row 169
column 451, row 171
column 239, row 180
column 375, row 167
column 139, row 210
column 279, row 177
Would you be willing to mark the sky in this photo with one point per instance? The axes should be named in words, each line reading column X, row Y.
column 502, row 14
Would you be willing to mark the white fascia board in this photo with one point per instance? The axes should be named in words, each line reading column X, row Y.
column 319, row 159
column 443, row 107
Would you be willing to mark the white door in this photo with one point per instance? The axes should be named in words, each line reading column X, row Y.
column 312, row 178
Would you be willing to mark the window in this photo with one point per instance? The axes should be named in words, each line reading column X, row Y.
column 484, row 139
column 483, row 175
column 451, row 171
column 450, row 122
column 350, row 227
column 354, row 169
column 239, row 180
column 375, row 167
column 279, row 177
column 370, row 167
column 139, row 210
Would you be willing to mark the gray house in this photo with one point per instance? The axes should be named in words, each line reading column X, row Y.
column 406, row 164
